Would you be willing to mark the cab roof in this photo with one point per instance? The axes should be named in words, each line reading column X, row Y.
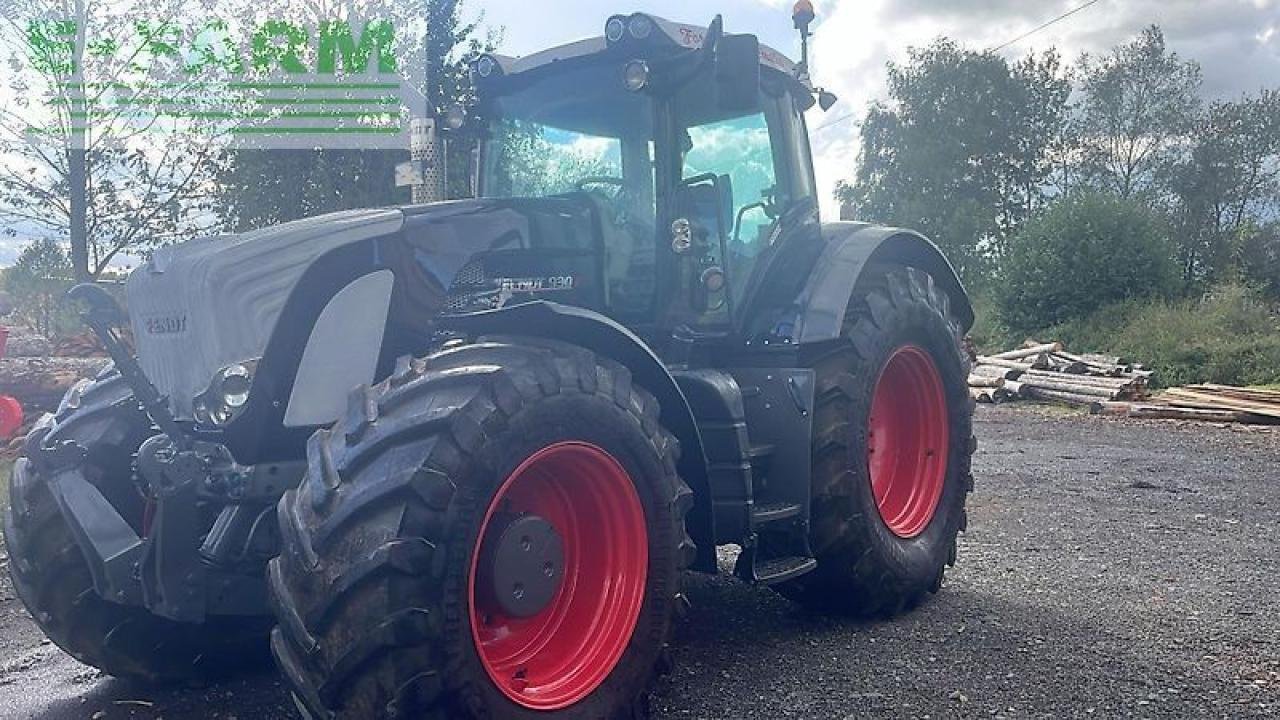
column 636, row 28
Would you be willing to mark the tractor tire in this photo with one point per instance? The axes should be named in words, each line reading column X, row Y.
column 884, row 526
column 399, row 590
column 52, row 578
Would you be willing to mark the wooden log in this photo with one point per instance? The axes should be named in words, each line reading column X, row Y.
column 1253, row 394
column 1102, row 368
column 1043, row 361
column 40, row 383
column 1013, row 388
column 1191, row 398
column 985, row 381
column 24, row 343
column 1068, row 387
column 1070, row 398
column 1102, row 359
column 998, row 371
column 1166, row 412
column 1079, row 379
column 986, row 396
column 998, row 362
column 1070, row 368
column 1029, row 351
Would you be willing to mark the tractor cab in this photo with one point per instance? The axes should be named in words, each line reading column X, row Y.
column 689, row 143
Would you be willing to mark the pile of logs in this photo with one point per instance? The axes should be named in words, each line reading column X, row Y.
column 38, row 372
column 1214, row 403
column 1045, row 371
column 1110, row 385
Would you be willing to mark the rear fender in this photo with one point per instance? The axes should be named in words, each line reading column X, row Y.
column 850, row 248
column 607, row 338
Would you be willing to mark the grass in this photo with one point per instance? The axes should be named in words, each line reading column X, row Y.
column 1230, row 336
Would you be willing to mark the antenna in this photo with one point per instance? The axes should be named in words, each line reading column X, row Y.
column 803, row 15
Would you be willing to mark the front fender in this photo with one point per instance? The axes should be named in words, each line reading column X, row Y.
column 603, row 336
column 849, row 249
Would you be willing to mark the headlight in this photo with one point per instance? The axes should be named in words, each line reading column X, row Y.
column 640, row 26
column 485, row 66
column 455, row 118
column 635, row 76
column 614, row 29
column 234, row 386
column 227, row 395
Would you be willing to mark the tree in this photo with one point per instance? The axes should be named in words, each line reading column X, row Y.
column 1260, row 259
column 264, row 187
column 1227, row 186
column 79, row 164
column 961, row 150
column 1139, row 105
column 37, row 284
column 1086, row 251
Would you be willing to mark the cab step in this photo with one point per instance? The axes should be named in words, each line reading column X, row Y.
column 777, row 512
column 776, row 570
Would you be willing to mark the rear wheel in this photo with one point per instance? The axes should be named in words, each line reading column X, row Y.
column 496, row 531
column 892, row 448
column 52, row 578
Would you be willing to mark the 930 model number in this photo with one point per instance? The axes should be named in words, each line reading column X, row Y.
column 539, row 284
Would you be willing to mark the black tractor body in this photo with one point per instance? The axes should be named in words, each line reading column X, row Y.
column 646, row 234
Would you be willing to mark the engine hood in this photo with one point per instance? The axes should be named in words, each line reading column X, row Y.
column 208, row 303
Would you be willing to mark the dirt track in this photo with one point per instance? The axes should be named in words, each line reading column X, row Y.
column 1111, row 569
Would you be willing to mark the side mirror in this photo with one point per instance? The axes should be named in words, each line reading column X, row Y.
column 737, row 73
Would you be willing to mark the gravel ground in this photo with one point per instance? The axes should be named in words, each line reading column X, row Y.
column 1111, row 569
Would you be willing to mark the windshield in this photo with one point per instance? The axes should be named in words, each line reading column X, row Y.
column 529, row 159
column 579, row 130
column 571, row 130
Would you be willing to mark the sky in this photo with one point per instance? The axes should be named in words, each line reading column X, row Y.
column 1237, row 42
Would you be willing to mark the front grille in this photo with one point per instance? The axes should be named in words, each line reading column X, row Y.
column 472, row 290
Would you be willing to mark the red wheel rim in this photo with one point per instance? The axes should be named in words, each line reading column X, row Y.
column 907, row 441
column 10, row 416
column 563, row 653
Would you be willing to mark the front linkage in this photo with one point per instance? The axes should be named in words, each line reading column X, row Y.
column 209, row 525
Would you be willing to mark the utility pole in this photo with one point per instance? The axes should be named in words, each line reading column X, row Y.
column 77, row 156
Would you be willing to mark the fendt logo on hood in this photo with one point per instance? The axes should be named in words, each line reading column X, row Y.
column 166, row 325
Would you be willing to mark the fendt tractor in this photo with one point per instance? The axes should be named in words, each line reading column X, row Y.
column 451, row 459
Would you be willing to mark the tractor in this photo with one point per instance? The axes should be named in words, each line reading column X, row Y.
column 452, row 459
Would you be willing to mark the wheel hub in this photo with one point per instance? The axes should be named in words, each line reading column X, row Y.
column 907, row 441
column 526, row 566
column 558, row 576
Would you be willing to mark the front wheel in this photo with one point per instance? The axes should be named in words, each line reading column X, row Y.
column 893, row 441
column 53, row 579
column 494, row 532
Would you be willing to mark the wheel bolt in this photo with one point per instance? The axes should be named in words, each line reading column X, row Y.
column 518, row 591
column 548, row 570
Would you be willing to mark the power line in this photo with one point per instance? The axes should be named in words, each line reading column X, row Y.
column 998, row 48
column 1038, row 28
column 833, row 123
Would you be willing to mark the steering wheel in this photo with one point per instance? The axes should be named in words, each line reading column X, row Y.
column 619, row 202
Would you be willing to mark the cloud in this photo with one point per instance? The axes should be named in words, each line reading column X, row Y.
column 1236, row 42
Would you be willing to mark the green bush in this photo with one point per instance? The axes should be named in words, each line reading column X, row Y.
column 1085, row 252
column 989, row 333
column 1230, row 336
column 37, row 285
column 1260, row 258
